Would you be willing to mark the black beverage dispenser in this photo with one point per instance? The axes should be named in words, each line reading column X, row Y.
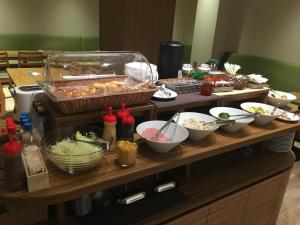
column 170, row 59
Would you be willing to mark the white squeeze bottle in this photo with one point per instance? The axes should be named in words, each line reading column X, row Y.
column 109, row 132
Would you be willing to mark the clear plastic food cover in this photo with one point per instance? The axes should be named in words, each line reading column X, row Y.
column 70, row 75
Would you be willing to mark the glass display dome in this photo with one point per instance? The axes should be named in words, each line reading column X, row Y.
column 84, row 81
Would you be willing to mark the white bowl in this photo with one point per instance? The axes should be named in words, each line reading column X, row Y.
column 263, row 119
column 193, row 133
column 163, row 147
column 282, row 102
column 238, row 124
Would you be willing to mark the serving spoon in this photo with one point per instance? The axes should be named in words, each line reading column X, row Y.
column 275, row 108
column 166, row 126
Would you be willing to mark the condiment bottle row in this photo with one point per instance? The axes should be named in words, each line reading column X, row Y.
column 121, row 127
column 21, row 157
column 118, row 127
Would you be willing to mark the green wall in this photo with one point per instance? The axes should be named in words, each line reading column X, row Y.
column 52, row 17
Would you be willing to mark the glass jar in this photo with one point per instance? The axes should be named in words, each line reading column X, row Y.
column 127, row 152
column 187, row 69
column 207, row 86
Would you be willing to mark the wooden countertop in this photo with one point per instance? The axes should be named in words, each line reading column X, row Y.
column 184, row 101
column 193, row 100
column 20, row 76
column 297, row 101
column 66, row 187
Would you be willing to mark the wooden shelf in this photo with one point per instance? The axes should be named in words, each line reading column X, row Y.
column 185, row 101
column 66, row 187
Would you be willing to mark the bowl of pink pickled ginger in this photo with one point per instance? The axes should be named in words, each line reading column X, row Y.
column 163, row 142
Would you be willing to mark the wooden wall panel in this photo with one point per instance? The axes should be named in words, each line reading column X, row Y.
column 137, row 25
column 111, row 25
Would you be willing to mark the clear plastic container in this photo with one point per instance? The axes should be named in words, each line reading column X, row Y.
column 84, row 81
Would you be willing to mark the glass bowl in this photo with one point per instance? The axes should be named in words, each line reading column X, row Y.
column 76, row 163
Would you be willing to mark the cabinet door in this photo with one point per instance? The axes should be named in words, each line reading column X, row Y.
column 262, row 201
column 196, row 217
column 229, row 210
column 280, row 195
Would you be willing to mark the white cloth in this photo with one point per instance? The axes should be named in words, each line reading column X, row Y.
column 283, row 143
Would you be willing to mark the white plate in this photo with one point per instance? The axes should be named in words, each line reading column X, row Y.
column 293, row 117
column 160, row 94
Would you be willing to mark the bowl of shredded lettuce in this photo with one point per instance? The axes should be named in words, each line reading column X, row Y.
column 74, row 149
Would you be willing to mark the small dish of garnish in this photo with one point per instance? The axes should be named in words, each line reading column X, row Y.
column 289, row 117
column 239, row 117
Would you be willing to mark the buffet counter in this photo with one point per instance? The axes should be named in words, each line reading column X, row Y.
column 186, row 172
column 109, row 174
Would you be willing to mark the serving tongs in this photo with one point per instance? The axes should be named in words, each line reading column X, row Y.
column 103, row 144
column 275, row 92
column 275, row 108
column 232, row 121
column 227, row 116
column 164, row 90
column 95, row 141
column 220, row 122
column 166, row 126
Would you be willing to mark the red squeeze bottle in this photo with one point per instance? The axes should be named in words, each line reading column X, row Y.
column 109, row 132
column 13, row 164
column 128, row 122
column 120, row 114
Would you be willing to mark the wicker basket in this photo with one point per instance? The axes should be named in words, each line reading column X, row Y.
column 240, row 82
column 97, row 102
column 255, row 86
column 222, row 89
column 182, row 86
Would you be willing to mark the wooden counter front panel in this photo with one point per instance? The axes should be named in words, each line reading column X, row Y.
column 261, row 201
column 280, row 195
column 23, row 216
column 256, row 205
column 229, row 210
column 197, row 217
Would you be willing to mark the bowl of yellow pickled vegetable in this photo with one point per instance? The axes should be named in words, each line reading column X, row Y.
column 267, row 112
